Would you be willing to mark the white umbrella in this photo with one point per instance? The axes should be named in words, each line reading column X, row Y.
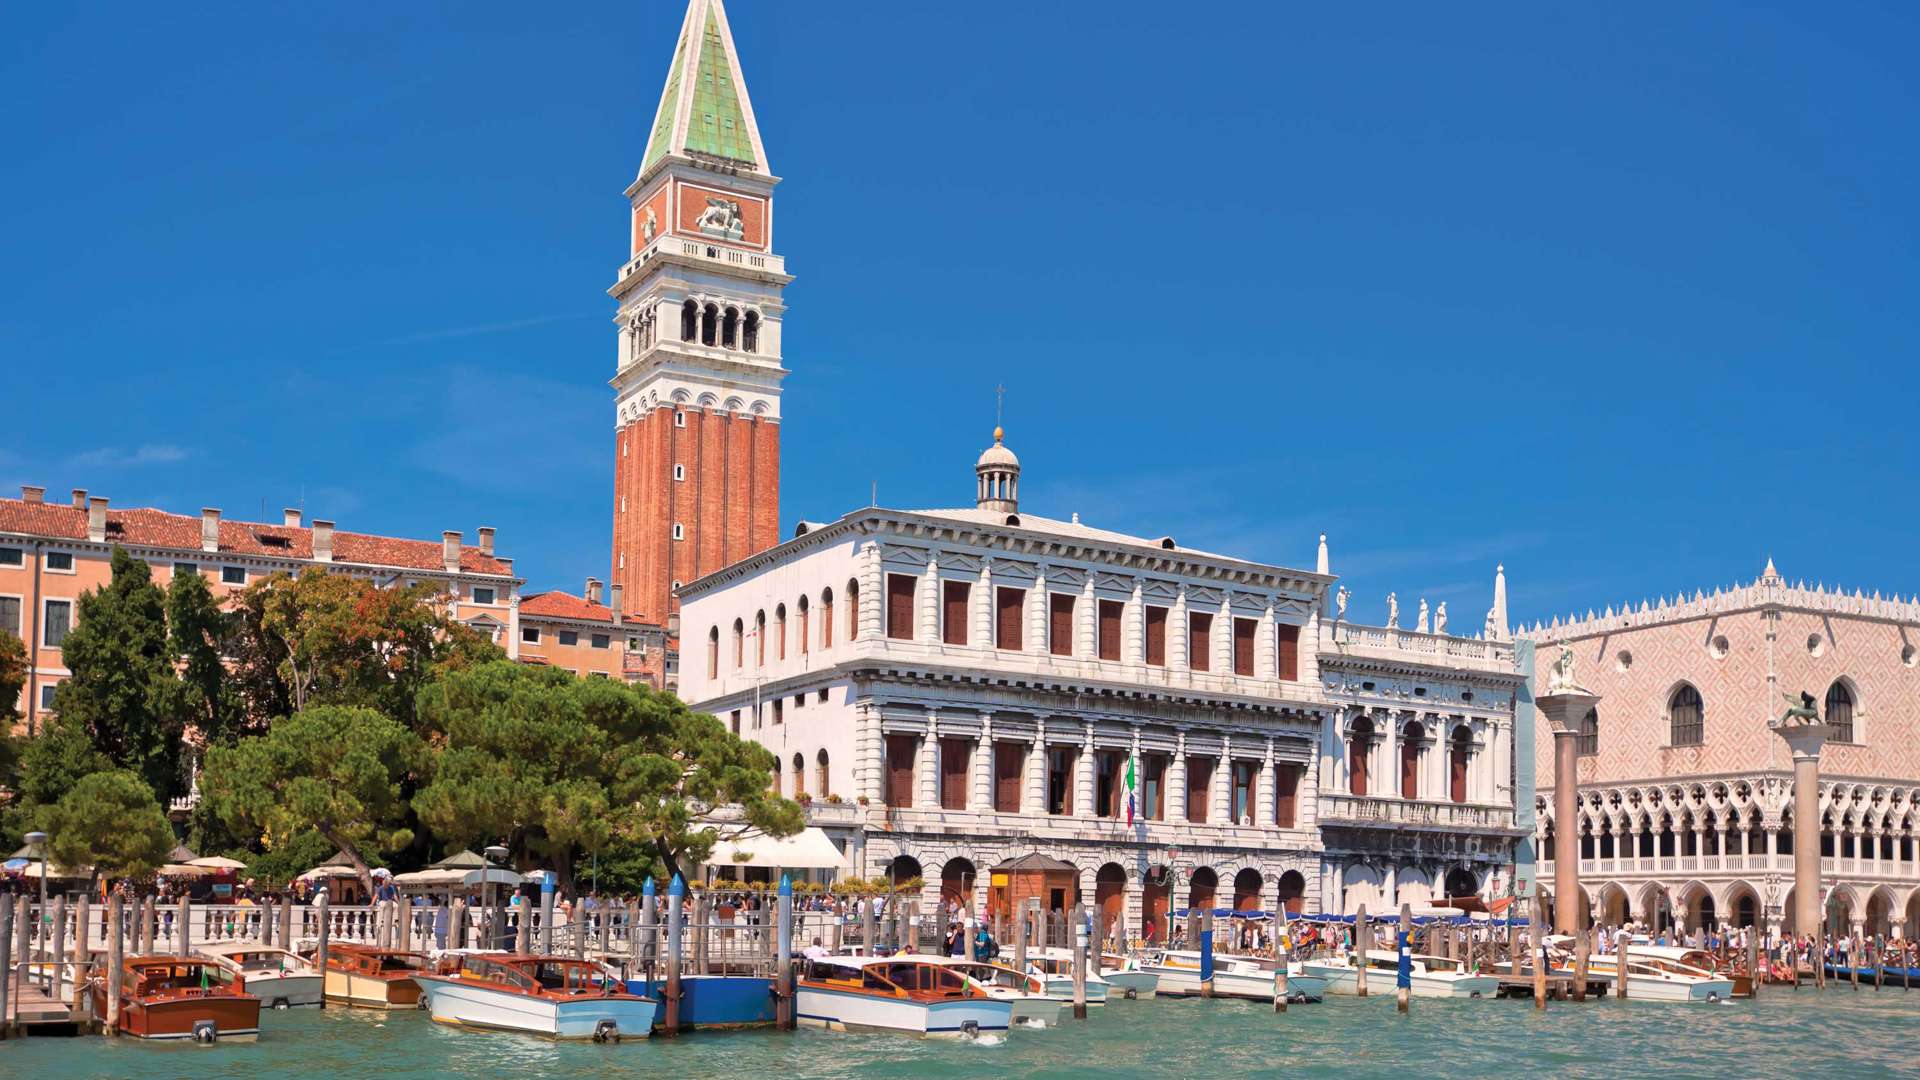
column 217, row 862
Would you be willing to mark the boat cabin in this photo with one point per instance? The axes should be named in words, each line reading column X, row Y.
column 919, row 980
column 381, row 963
column 155, row 978
column 546, row 976
column 1002, row 977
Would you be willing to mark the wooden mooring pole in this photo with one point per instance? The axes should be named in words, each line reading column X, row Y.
column 1536, row 945
column 1403, row 978
column 116, row 960
column 1581, row 940
column 7, row 987
column 1361, row 931
column 1080, row 962
column 323, row 947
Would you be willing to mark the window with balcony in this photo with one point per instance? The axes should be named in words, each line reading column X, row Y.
column 1156, row 632
column 1009, row 607
column 1459, row 754
column 1060, row 624
column 953, row 611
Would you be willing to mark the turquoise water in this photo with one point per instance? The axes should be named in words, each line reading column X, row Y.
column 1798, row 1034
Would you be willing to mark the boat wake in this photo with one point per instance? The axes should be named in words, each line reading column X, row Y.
column 989, row 1040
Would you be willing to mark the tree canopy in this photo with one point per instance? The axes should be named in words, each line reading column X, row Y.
column 13, row 678
column 565, row 767
column 197, row 632
column 110, row 822
column 334, row 769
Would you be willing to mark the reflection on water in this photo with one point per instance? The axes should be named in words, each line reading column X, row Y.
column 1798, row 1034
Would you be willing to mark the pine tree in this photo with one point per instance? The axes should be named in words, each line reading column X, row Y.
column 111, row 822
column 196, row 633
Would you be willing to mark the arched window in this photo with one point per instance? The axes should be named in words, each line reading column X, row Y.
column 799, row 774
column 776, row 776
column 730, row 328
column 709, row 325
column 1840, row 711
column 689, row 320
column 826, row 618
column 1359, row 737
column 1684, row 713
column 802, row 636
column 760, row 639
column 1588, row 741
column 853, row 611
column 713, row 653
column 1460, row 753
column 739, row 644
column 750, row 332
column 780, row 632
column 821, row 787
column 1410, row 739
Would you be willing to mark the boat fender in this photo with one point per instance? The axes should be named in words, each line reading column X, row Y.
column 204, row 1031
column 280, row 1003
column 1713, row 995
column 606, row 1031
column 971, row 1028
column 1132, row 995
column 1474, row 994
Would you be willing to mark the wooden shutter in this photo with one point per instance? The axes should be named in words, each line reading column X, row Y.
column 1288, row 653
column 1459, row 770
column 1286, row 795
column 1157, row 636
column 853, row 613
column 1110, row 629
column 953, row 614
column 1010, row 604
column 1154, row 786
column 1199, row 780
column 1243, row 630
column 900, row 606
column 1200, row 641
column 954, row 754
column 803, row 631
column 1409, row 769
column 826, row 623
column 1357, row 765
column 1009, row 763
column 1060, row 624
column 900, row 770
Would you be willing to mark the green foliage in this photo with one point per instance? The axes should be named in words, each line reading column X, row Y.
column 337, row 770
column 109, row 821
column 13, row 678
column 567, row 767
column 123, row 691
column 196, row 633
column 53, row 762
column 332, row 639
column 301, row 852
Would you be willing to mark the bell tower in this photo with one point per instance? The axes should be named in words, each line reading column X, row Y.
column 698, row 369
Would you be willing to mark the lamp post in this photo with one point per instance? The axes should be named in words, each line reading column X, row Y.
column 495, row 854
column 39, row 840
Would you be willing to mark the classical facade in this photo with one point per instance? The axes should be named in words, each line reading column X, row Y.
column 50, row 553
column 698, row 365
column 1686, row 796
column 954, row 690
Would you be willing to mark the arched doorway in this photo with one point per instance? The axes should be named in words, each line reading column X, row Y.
column 1203, row 886
column 1293, row 892
column 1879, row 907
column 1615, row 908
column 1840, row 909
column 957, row 879
column 1462, row 882
column 1656, row 909
column 1110, row 895
column 1745, row 906
column 902, row 869
column 1701, row 914
column 1246, row 889
column 1156, row 897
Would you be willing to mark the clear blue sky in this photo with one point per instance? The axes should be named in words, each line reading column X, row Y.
column 1624, row 299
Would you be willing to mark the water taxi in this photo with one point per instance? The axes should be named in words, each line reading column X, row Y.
column 551, row 996
column 178, row 998
column 1246, row 977
column 908, row 994
column 1055, row 967
column 1028, row 993
column 374, row 978
column 1430, row 976
column 1125, row 976
column 279, row 978
column 1662, row 973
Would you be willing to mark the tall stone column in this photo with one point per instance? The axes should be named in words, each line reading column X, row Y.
column 1564, row 705
column 1805, row 737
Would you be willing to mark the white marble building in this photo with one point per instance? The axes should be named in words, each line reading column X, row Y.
column 951, row 689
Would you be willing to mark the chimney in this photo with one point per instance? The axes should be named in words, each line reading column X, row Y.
column 486, row 541
column 450, row 550
column 593, row 590
column 322, row 540
column 79, row 498
column 209, row 528
column 96, row 519
column 290, row 517
column 508, row 563
column 613, row 601
column 29, row 493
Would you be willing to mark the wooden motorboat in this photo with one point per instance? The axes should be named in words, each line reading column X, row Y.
column 1125, row 976
column 1664, row 973
column 551, row 996
column 1027, row 992
column 911, row 995
column 374, row 978
column 280, row 979
column 1055, row 966
column 178, row 998
column 1430, row 976
column 1249, row 978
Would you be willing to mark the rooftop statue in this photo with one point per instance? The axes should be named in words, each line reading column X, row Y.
column 1393, row 611
column 1440, row 618
column 1340, row 601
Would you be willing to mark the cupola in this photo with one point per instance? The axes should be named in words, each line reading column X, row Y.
column 998, row 474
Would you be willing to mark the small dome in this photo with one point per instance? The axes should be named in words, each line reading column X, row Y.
column 997, row 454
column 997, row 474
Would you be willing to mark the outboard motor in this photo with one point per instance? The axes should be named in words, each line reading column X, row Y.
column 606, row 1031
column 971, row 1028
column 204, row 1031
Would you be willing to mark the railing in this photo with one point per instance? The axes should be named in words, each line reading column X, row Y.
column 1413, row 812
column 1395, row 640
column 712, row 252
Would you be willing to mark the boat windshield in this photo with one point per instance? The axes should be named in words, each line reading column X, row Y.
column 573, row 977
column 401, row 962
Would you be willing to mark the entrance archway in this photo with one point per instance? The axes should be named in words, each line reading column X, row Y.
column 1202, row 888
column 1615, row 908
column 957, row 879
column 902, row 869
column 1246, row 889
column 1156, row 897
column 1110, row 895
column 1461, row 881
column 1293, row 892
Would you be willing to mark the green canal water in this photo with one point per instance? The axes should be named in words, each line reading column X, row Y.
column 1798, row 1035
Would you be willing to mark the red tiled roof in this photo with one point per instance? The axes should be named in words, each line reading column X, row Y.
column 147, row 527
column 561, row 605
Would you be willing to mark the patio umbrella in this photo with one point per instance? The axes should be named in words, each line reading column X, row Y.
column 217, row 862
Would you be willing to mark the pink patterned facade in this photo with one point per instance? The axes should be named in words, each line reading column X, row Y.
column 1686, row 794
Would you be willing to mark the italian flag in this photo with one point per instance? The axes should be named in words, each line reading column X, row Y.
column 1130, row 790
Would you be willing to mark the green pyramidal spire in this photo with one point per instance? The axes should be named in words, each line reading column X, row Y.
column 704, row 110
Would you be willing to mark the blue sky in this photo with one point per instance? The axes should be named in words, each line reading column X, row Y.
column 1624, row 298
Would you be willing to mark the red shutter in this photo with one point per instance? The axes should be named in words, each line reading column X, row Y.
column 1289, row 653
column 953, row 617
column 803, row 631
column 1243, row 630
column 900, row 606
column 826, row 623
column 953, row 773
column 1157, row 636
column 1060, row 624
column 1357, row 765
column 1010, row 606
column 1459, row 777
column 1409, row 769
column 1009, row 762
column 1200, row 641
column 900, row 770
column 1286, row 795
column 1110, row 629
column 1199, row 779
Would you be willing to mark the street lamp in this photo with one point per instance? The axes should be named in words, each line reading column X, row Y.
column 38, row 840
column 495, row 853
